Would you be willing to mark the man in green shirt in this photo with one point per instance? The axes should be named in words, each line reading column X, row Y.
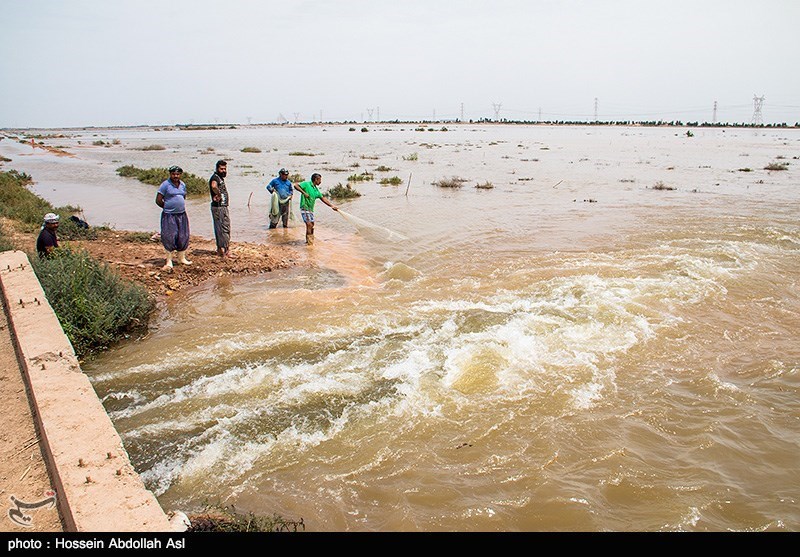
column 310, row 193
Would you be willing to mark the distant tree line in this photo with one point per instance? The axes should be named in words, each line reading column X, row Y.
column 678, row 123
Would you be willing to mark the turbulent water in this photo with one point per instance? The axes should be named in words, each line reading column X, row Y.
column 574, row 349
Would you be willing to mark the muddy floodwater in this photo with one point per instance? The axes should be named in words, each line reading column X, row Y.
column 608, row 338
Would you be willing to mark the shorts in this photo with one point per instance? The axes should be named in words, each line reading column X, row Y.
column 308, row 216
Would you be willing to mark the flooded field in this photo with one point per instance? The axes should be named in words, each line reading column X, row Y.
column 608, row 338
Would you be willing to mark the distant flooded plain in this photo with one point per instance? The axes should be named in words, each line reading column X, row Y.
column 608, row 338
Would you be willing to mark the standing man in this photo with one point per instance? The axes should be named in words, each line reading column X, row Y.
column 219, row 208
column 48, row 240
column 171, row 197
column 283, row 187
column 311, row 193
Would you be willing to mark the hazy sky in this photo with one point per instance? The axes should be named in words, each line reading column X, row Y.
column 128, row 62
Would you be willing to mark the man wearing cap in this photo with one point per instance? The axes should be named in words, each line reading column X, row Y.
column 219, row 208
column 48, row 240
column 281, row 186
column 171, row 197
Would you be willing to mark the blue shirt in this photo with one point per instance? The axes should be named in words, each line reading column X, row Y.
column 174, row 198
column 283, row 187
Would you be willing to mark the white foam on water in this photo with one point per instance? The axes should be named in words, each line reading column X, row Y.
column 533, row 337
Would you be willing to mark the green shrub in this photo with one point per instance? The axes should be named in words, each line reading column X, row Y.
column 152, row 148
column 296, row 178
column 342, row 192
column 195, row 185
column 251, row 150
column 363, row 177
column 777, row 166
column 485, row 186
column 17, row 202
column 383, row 168
column 301, row 154
column 94, row 304
column 393, row 181
column 411, row 157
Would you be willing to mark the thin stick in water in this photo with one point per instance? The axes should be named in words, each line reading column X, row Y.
column 409, row 183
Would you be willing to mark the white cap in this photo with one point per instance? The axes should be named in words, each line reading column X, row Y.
column 50, row 218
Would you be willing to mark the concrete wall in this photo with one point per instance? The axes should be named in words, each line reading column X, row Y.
column 97, row 489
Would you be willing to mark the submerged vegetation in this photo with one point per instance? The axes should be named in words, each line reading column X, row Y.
column 340, row 191
column 662, row 186
column 363, row 177
column 250, row 150
column 485, row 186
column 195, row 185
column 777, row 166
column 454, row 182
column 393, row 181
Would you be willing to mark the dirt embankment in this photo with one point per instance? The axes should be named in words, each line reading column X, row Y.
column 140, row 259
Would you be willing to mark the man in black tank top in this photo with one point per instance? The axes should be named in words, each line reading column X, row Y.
column 219, row 209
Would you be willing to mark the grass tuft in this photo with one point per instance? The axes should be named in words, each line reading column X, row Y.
column 454, row 182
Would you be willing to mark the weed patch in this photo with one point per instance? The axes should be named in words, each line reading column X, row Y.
column 340, row 191
column 94, row 304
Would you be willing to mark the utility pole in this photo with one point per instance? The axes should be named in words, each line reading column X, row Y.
column 462, row 112
column 540, row 114
column 595, row 110
column 758, row 102
column 379, row 113
column 370, row 111
column 714, row 117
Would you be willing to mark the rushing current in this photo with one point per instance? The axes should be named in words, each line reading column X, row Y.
column 608, row 339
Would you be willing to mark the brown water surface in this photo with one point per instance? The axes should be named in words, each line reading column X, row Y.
column 572, row 349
